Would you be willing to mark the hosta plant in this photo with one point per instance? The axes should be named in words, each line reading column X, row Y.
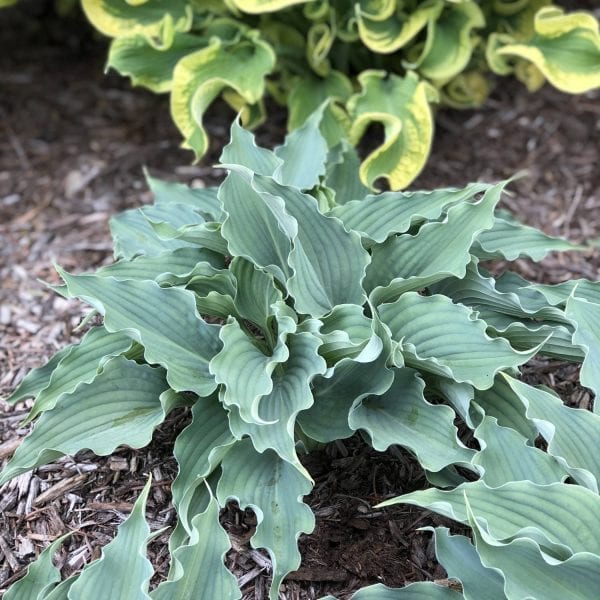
column 290, row 308
column 379, row 61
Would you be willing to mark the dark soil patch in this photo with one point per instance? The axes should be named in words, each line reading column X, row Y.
column 72, row 148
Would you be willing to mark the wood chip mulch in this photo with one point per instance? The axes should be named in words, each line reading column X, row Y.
column 72, row 148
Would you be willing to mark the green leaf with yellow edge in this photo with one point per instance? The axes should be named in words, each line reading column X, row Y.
column 264, row 6
column 147, row 65
column 201, row 76
column 450, row 41
column 157, row 20
column 564, row 47
column 401, row 105
column 388, row 35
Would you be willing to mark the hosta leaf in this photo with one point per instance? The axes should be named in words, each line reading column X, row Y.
column 510, row 240
column 262, row 6
column 529, row 573
column 37, row 379
column 291, row 394
column 459, row 557
column 387, row 35
column 248, row 212
column 559, row 294
column 61, row 591
column 505, row 406
column 403, row 416
column 309, row 92
column 202, row 200
column 565, row 48
column 156, row 19
column 42, row 576
column 199, row 448
column 176, row 337
column 401, row 105
column 176, row 266
column 459, row 348
column 342, row 175
column 556, row 514
column 122, row 405
column 242, row 150
column 338, row 390
column 202, row 572
column 255, row 294
column 123, row 571
column 81, row 365
column 506, row 456
column 200, row 77
column 376, row 217
column 245, row 369
column 133, row 234
column 303, row 154
column 206, row 235
column 273, row 489
column 410, row 262
column 450, row 42
column 487, row 295
column 586, row 316
column 145, row 64
column 421, row 590
column 317, row 285
column 569, row 432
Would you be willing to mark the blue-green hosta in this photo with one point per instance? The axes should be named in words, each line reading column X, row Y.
column 289, row 307
column 378, row 61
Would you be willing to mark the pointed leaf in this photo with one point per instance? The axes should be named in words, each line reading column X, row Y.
column 556, row 514
column 403, row 416
column 123, row 571
column 506, row 456
column 459, row 557
column 459, row 349
column 376, row 217
column 586, row 316
column 81, row 365
column 273, row 489
column 569, row 432
column 202, row 570
column 122, row 405
column 529, row 573
column 291, row 394
column 176, row 337
column 41, row 578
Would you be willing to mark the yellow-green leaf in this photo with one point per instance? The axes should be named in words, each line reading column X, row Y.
column 201, row 76
column 401, row 105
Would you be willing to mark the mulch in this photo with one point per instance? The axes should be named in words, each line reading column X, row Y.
column 72, row 148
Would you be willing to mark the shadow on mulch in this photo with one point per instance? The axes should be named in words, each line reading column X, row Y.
column 71, row 156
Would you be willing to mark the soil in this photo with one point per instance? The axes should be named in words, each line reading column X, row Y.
column 72, row 149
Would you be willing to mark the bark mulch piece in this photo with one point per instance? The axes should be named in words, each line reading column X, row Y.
column 72, row 148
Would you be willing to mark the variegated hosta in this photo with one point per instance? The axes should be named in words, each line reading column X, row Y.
column 290, row 306
column 377, row 61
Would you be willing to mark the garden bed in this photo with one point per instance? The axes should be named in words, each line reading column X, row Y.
column 72, row 149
